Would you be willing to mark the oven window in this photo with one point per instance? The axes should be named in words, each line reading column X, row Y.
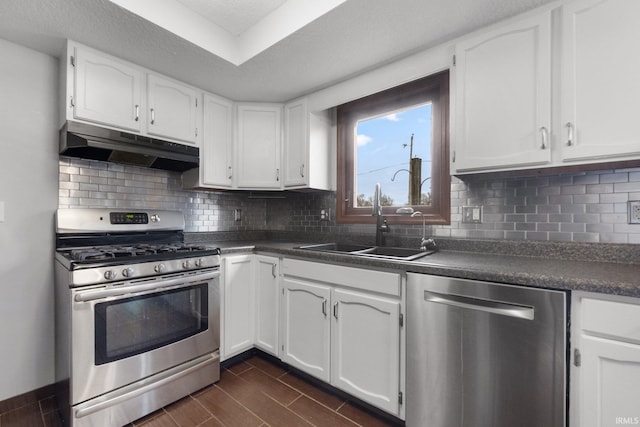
column 131, row 326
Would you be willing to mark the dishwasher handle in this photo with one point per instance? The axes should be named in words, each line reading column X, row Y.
column 488, row 306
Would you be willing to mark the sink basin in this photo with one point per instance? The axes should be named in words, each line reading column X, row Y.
column 336, row 247
column 383, row 252
column 404, row 254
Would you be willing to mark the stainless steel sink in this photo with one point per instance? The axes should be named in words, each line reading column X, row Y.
column 404, row 254
column 383, row 252
column 336, row 247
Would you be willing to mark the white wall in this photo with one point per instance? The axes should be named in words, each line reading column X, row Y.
column 29, row 190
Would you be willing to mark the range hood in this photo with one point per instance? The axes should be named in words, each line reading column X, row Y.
column 97, row 143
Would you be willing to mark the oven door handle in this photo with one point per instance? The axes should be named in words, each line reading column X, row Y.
column 179, row 282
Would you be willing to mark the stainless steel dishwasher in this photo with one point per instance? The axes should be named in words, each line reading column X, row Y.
column 484, row 354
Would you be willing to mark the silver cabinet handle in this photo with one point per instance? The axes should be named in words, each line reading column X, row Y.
column 335, row 310
column 569, row 127
column 324, row 307
column 278, row 174
column 495, row 307
column 302, row 170
column 230, row 172
column 544, row 134
column 137, row 113
column 153, row 116
column 273, row 270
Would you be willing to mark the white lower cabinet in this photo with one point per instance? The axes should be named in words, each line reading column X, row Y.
column 365, row 347
column 605, row 371
column 238, row 311
column 306, row 327
column 337, row 330
column 266, row 297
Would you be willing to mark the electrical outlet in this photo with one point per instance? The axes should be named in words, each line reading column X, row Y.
column 472, row 214
column 325, row 215
column 634, row 212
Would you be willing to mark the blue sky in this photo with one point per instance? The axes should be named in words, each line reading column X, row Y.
column 381, row 153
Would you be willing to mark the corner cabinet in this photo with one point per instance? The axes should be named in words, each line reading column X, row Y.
column 307, row 147
column 600, row 86
column 503, row 97
column 267, row 284
column 238, row 311
column 259, row 146
column 605, row 371
column 103, row 89
column 343, row 325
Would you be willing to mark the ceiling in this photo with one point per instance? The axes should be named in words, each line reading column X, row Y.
column 252, row 50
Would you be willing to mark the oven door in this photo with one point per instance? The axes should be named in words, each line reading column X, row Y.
column 125, row 332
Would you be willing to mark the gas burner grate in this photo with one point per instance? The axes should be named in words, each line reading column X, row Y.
column 110, row 252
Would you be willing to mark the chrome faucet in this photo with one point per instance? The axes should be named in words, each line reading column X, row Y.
column 425, row 244
column 381, row 223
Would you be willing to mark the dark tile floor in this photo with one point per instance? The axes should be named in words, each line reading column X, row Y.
column 253, row 392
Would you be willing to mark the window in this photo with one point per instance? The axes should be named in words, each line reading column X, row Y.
column 400, row 139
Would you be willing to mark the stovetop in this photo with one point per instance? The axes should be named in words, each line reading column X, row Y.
column 135, row 252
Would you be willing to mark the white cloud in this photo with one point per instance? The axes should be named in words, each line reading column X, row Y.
column 363, row 140
column 393, row 117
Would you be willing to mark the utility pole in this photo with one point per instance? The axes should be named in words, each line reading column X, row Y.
column 415, row 176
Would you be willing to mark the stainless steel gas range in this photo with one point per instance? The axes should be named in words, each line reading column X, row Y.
column 137, row 314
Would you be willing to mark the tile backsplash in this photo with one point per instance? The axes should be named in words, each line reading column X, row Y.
column 577, row 207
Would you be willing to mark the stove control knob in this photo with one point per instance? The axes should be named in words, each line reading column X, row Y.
column 127, row 272
column 187, row 264
column 155, row 218
column 160, row 268
column 110, row 274
column 199, row 262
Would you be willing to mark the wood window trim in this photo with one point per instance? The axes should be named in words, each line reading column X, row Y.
column 434, row 88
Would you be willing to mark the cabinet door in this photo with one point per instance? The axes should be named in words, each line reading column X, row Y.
column 503, row 97
column 172, row 109
column 239, row 307
column 365, row 342
column 296, row 141
column 306, row 326
column 258, row 149
column 600, row 87
column 217, row 145
column 106, row 91
column 610, row 378
column 267, row 303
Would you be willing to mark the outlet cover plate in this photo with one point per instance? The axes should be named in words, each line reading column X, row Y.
column 472, row 214
column 634, row 212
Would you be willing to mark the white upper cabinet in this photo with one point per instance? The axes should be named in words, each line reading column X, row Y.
column 216, row 149
column 306, row 147
column 113, row 93
column 503, row 97
column 600, row 80
column 259, row 146
column 172, row 109
column 105, row 90
column 296, row 131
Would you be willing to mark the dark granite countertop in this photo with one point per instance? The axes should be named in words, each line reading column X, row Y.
column 550, row 271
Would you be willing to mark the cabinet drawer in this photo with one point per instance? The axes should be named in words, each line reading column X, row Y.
column 611, row 318
column 357, row 278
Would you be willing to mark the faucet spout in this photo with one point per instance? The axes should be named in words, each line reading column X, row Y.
column 381, row 223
